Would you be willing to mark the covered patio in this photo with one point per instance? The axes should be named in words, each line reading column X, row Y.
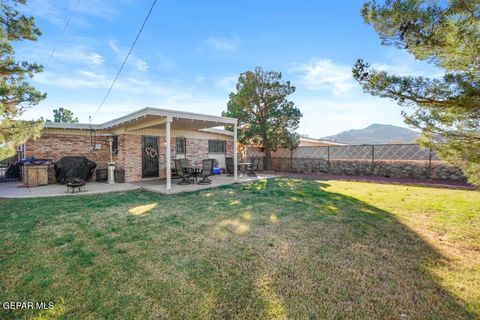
column 16, row 190
column 142, row 143
column 159, row 127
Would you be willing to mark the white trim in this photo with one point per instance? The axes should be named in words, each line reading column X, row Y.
column 235, row 160
column 218, row 131
column 171, row 114
column 167, row 155
column 146, row 124
column 64, row 125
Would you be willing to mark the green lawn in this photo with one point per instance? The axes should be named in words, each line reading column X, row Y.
column 280, row 248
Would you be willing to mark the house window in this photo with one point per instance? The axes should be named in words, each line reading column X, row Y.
column 216, row 146
column 181, row 145
column 115, row 145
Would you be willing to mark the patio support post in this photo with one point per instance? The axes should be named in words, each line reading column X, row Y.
column 235, row 160
column 167, row 154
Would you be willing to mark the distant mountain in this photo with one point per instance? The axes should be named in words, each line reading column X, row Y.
column 376, row 134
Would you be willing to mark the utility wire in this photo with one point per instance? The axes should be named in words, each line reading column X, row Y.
column 63, row 31
column 126, row 58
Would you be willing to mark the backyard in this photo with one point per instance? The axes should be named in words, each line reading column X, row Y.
column 273, row 249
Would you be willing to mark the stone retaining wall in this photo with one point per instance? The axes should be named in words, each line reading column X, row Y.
column 385, row 168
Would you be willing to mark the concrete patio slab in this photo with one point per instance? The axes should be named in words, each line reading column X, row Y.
column 17, row 190
column 159, row 186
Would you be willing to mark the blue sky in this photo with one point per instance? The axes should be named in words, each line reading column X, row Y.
column 191, row 53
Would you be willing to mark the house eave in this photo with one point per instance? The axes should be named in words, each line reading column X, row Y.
column 65, row 125
column 218, row 131
column 168, row 114
column 142, row 113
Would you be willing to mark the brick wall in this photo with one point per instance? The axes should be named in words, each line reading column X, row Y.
column 129, row 156
column 55, row 146
column 229, row 149
column 197, row 149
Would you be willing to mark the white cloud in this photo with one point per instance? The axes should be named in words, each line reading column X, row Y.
column 137, row 63
column 327, row 116
column 100, row 8
column 323, row 74
column 404, row 64
column 90, row 75
column 163, row 62
column 80, row 80
column 57, row 12
column 119, row 104
column 227, row 83
column 80, row 55
column 114, row 46
column 129, row 84
column 131, row 92
column 223, row 44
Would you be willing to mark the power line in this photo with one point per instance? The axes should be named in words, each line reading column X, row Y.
column 126, row 58
column 63, row 31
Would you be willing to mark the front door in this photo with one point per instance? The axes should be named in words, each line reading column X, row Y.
column 149, row 157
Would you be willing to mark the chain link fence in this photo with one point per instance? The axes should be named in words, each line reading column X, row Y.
column 389, row 160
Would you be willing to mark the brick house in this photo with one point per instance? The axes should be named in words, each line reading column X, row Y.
column 144, row 142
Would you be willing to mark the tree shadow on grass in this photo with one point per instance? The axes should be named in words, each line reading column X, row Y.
column 300, row 251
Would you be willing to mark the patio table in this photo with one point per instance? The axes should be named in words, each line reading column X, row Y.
column 194, row 170
column 243, row 165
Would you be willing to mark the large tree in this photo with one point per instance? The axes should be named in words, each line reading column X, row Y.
column 16, row 95
column 447, row 109
column 266, row 117
column 63, row 115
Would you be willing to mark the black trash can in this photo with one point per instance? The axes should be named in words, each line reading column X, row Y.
column 101, row 175
column 119, row 175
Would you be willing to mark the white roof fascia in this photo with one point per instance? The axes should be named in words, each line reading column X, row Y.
column 66, row 125
column 143, row 113
column 167, row 113
column 218, row 131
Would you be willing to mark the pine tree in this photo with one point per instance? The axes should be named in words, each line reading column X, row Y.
column 447, row 110
column 265, row 116
column 16, row 95
column 63, row 115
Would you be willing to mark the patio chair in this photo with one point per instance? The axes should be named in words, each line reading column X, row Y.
column 175, row 171
column 230, row 166
column 206, row 171
column 253, row 168
column 186, row 177
column 186, row 163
